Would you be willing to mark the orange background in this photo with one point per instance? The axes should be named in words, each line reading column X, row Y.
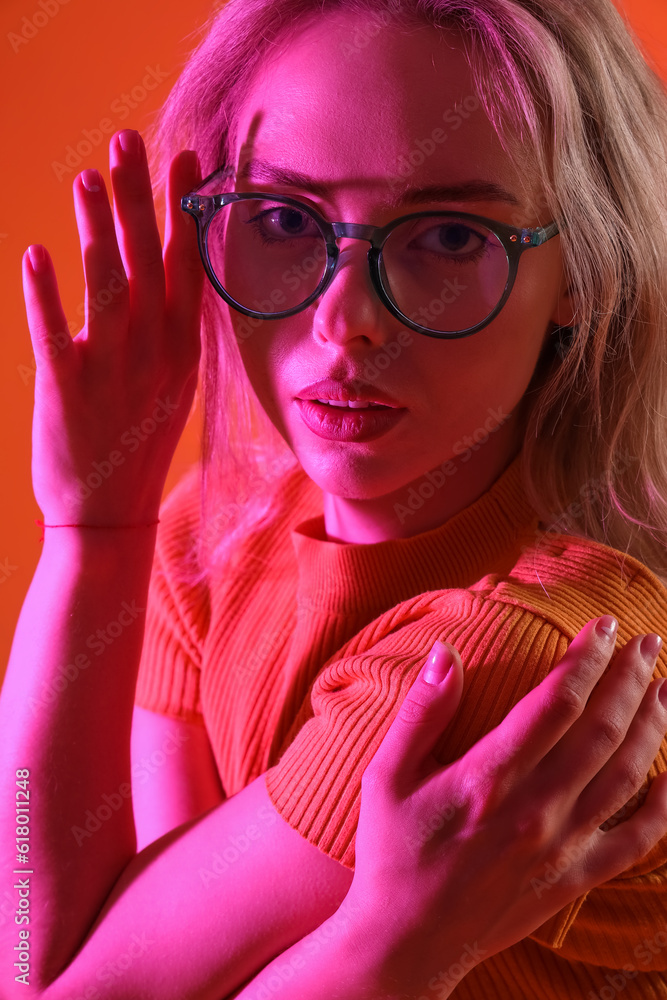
column 61, row 81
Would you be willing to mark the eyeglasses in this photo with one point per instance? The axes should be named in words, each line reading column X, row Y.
column 443, row 274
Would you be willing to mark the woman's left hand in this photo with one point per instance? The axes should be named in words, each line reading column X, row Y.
column 456, row 863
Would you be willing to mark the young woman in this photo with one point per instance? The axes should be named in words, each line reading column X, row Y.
column 500, row 486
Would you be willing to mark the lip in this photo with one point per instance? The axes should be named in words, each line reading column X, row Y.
column 345, row 392
column 348, row 425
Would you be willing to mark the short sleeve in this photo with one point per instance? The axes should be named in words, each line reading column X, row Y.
column 316, row 784
column 507, row 650
column 177, row 613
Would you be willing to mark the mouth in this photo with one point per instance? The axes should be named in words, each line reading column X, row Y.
column 351, row 404
column 353, row 421
column 347, row 393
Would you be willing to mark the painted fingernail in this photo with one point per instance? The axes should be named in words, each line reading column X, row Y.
column 650, row 647
column 37, row 255
column 91, row 180
column 130, row 143
column 439, row 663
column 607, row 627
column 662, row 694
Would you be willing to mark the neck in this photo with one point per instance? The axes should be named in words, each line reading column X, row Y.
column 429, row 501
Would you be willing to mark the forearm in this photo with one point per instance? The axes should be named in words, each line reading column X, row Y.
column 350, row 956
column 65, row 717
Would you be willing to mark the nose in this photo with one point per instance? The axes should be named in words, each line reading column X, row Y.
column 350, row 307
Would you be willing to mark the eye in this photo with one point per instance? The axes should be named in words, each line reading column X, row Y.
column 452, row 239
column 283, row 222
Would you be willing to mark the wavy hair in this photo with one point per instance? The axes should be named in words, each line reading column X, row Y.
column 569, row 92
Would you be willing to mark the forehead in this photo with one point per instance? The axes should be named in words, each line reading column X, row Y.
column 370, row 106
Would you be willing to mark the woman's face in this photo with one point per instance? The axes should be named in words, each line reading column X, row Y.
column 353, row 104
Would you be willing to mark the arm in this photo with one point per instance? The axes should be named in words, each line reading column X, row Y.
column 159, row 890
column 82, row 864
column 181, row 882
column 533, row 792
column 66, row 703
column 174, row 774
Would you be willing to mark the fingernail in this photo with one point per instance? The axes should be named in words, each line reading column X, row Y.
column 37, row 255
column 662, row 694
column 91, row 180
column 650, row 647
column 607, row 627
column 438, row 664
column 130, row 143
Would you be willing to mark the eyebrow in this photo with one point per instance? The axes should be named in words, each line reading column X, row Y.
column 473, row 190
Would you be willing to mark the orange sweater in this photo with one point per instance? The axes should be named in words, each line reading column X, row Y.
column 298, row 660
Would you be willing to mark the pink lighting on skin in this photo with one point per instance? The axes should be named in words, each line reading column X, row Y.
column 206, row 941
column 445, row 387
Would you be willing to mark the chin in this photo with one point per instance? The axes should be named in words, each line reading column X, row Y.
column 353, row 478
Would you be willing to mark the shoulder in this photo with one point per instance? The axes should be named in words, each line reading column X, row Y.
column 510, row 630
column 569, row 580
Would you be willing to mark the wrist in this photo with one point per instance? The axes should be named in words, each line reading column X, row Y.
column 137, row 526
column 399, row 960
column 100, row 549
column 376, row 945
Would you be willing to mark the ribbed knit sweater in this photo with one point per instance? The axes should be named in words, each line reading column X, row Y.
column 299, row 658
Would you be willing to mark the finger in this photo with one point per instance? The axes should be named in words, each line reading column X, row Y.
column 536, row 723
column 624, row 774
column 137, row 229
column 184, row 270
column 626, row 844
column 46, row 318
column 425, row 711
column 107, row 298
column 604, row 724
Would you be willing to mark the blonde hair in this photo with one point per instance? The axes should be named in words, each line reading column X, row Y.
column 567, row 89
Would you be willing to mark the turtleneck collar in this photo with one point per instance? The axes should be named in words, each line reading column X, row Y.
column 483, row 538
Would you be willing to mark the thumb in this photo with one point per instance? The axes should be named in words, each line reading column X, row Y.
column 427, row 709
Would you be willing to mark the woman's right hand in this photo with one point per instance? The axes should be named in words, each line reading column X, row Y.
column 456, row 863
column 111, row 403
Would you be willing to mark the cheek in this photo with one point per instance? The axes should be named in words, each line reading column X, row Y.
column 264, row 361
column 491, row 370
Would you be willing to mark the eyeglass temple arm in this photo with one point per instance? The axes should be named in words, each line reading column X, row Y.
column 223, row 172
column 543, row 233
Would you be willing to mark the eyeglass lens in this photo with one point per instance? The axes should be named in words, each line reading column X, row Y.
column 444, row 273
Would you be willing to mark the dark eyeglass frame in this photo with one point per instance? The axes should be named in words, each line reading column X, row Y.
column 515, row 241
